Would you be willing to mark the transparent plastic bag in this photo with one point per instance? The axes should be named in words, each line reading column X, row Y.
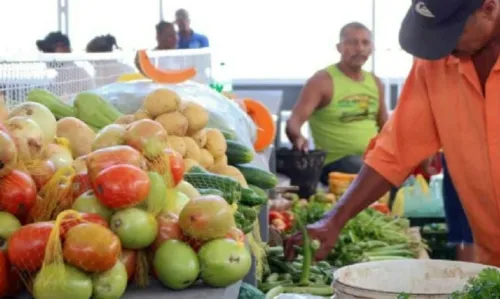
column 225, row 115
column 420, row 201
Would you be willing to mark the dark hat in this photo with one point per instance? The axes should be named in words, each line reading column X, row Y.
column 432, row 28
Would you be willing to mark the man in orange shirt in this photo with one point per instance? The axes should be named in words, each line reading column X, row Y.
column 450, row 100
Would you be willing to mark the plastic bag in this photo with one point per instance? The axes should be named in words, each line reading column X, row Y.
column 420, row 201
column 225, row 115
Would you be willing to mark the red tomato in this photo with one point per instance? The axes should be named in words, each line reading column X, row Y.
column 81, row 184
column 168, row 229
column 176, row 165
column 70, row 221
column 101, row 159
column 26, row 248
column 129, row 259
column 43, row 173
column 4, row 275
column 91, row 247
column 18, row 193
column 121, row 186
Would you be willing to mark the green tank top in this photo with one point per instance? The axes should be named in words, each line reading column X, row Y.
column 346, row 125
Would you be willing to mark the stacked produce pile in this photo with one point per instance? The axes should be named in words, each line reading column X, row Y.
column 96, row 200
column 373, row 235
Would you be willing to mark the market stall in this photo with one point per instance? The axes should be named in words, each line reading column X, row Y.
column 150, row 187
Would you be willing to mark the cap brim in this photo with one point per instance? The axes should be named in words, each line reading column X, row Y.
column 429, row 43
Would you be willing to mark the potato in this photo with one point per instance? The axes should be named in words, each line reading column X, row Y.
column 174, row 122
column 216, row 143
column 196, row 115
column 79, row 135
column 141, row 114
column 125, row 120
column 177, row 143
column 206, row 158
column 161, row 101
column 193, row 151
column 200, row 138
column 188, row 163
column 219, row 163
column 234, row 173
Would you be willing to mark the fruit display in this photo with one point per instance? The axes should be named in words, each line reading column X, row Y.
column 93, row 200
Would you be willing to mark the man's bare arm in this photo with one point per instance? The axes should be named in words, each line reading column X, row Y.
column 311, row 98
column 383, row 114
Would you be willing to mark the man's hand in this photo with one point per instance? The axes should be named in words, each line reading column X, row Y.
column 301, row 144
column 321, row 231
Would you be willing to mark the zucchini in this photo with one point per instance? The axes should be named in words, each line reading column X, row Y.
column 238, row 153
column 51, row 101
column 94, row 110
column 250, row 198
column 229, row 186
column 258, row 177
column 211, row 191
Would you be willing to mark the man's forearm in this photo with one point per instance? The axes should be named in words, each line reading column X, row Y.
column 367, row 188
column 292, row 130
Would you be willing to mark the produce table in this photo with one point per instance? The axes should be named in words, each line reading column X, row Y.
column 156, row 291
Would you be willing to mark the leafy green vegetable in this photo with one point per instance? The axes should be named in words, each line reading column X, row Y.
column 486, row 285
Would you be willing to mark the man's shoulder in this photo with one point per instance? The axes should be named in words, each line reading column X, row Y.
column 433, row 64
column 199, row 36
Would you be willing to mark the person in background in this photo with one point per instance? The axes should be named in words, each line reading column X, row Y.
column 344, row 105
column 449, row 101
column 71, row 78
column 166, row 37
column 109, row 70
column 459, row 231
column 188, row 39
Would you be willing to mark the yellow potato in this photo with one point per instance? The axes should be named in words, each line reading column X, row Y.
column 177, row 143
column 161, row 101
column 196, row 115
column 188, row 163
column 200, row 138
column 174, row 123
column 193, row 151
column 206, row 158
column 141, row 114
column 216, row 143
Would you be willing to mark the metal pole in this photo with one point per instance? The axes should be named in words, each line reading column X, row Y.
column 160, row 2
column 374, row 14
column 63, row 16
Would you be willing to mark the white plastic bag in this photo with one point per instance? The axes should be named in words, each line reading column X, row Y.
column 225, row 115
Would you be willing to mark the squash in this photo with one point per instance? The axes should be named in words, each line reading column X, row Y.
column 263, row 119
column 146, row 68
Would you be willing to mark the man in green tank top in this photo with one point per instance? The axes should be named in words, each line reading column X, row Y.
column 344, row 105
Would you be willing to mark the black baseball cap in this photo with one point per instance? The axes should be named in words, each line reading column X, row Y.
column 432, row 28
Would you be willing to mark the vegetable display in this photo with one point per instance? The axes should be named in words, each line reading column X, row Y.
column 93, row 200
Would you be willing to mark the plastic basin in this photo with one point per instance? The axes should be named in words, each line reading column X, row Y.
column 422, row 279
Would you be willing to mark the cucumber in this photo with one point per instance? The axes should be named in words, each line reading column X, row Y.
column 250, row 198
column 211, row 191
column 258, row 177
column 259, row 191
column 228, row 135
column 238, row 153
column 229, row 186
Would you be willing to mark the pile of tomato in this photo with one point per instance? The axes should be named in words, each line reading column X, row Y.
column 105, row 227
